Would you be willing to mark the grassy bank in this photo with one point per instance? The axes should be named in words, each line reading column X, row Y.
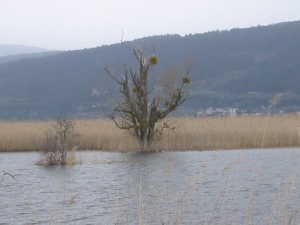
column 190, row 134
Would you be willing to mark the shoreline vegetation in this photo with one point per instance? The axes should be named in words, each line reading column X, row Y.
column 186, row 133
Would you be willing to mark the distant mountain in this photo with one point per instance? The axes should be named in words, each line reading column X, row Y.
column 11, row 58
column 6, row 49
column 9, row 53
column 241, row 68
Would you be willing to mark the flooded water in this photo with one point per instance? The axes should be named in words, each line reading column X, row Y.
column 215, row 187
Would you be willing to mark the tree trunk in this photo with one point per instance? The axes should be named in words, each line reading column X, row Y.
column 63, row 158
column 150, row 135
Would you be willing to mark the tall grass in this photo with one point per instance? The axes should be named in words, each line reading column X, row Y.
column 190, row 134
column 22, row 136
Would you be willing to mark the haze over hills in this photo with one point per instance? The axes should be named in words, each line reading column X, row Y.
column 6, row 49
column 11, row 58
column 9, row 53
column 241, row 68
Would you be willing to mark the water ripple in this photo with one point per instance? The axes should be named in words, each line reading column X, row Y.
column 215, row 187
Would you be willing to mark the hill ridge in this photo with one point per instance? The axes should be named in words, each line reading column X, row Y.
column 228, row 65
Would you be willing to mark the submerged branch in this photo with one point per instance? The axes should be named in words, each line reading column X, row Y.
column 9, row 174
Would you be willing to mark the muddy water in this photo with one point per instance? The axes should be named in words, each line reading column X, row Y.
column 216, row 187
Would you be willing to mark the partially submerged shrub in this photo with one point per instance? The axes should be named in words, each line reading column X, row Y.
column 58, row 140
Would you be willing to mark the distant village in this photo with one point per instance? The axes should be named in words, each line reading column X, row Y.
column 237, row 112
column 218, row 112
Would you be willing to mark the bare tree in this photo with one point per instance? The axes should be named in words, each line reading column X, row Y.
column 64, row 132
column 58, row 141
column 142, row 105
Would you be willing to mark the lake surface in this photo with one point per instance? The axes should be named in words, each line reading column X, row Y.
column 210, row 187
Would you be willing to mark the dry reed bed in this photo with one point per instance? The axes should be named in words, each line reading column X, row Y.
column 190, row 134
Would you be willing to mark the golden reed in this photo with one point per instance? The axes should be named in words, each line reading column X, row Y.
column 209, row 133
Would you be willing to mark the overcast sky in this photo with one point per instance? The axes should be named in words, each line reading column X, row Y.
column 78, row 24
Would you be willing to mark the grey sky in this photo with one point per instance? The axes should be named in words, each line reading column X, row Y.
column 76, row 24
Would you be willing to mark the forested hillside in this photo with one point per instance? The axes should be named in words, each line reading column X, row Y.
column 240, row 68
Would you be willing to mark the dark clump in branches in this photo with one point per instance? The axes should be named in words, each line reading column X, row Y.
column 142, row 105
